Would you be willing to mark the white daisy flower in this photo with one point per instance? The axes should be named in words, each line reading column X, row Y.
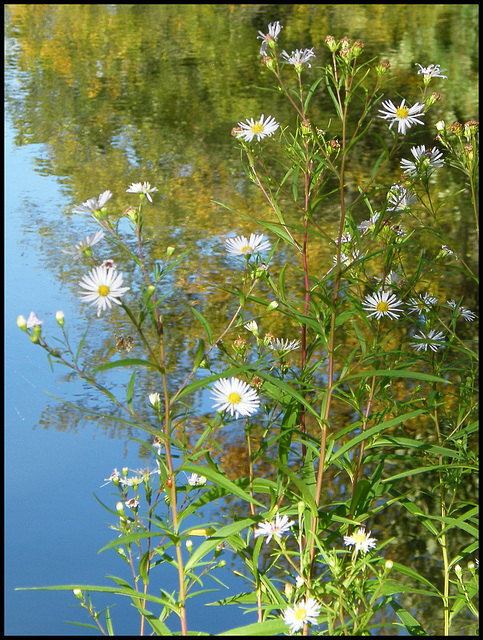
column 235, row 396
column 361, row 541
column 276, row 528
column 422, row 304
column 260, row 128
column 383, row 303
column 103, row 287
column 426, row 161
column 304, row 612
column 284, row 346
column 241, row 246
column 273, row 32
column 400, row 198
column 434, row 340
column 81, row 247
column 404, row 116
column 433, row 71
column 298, row 57
column 142, row 187
column 93, row 204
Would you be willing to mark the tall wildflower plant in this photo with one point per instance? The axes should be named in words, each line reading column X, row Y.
column 368, row 332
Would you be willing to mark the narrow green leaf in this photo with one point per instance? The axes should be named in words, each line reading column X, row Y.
column 127, row 362
column 204, row 323
column 267, row 628
column 144, row 567
column 411, row 625
column 130, row 391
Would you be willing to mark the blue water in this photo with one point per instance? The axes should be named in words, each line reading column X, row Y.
column 54, row 527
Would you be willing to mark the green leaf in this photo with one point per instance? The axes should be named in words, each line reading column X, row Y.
column 144, row 567
column 130, row 391
column 204, row 323
column 411, row 625
column 128, row 362
column 267, row 628
column 200, row 352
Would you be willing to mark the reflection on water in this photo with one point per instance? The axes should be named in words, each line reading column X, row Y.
column 117, row 101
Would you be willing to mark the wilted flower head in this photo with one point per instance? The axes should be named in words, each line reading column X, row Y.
column 433, row 71
column 269, row 39
column 81, row 247
column 400, row 198
column 298, row 58
column 92, row 205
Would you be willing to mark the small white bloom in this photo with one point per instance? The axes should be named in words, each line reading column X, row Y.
column 446, row 251
column 274, row 29
column 368, row 225
column 155, row 400
column 241, row 246
column 404, row 116
column 142, row 187
column 103, row 287
column 298, row 57
column 115, row 476
column 434, row 340
column 89, row 241
column 284, row 346
column 383, row 303
column 304, row 612
column 235, row 396
column 33, row 321
column 276, row 528
column 252, row 326
column 345, row 237
column 400, row 198
column 360, row 540
column 433, row 71
column 93, row 204
column 260, row 128
column 132, row 503
column 468, row 315
column 426, row 161
column 422, row 304
column 196, row 481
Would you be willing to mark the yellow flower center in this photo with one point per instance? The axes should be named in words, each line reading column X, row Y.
column 402, row 112
column 359, row 538
column 301, row 613
column 257, row 128
column 234, row 398
column 246, row 249
column 103, row 290
column 382, row 307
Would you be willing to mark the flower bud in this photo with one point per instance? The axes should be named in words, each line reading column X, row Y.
column 332, row 43
column 169, row 251
column 125, row 471
column 59, row 316
column 155, row 400
column 120, row 508
column 357, row 48
column 78, row 594
column 440, row 125
column 458, row 570
column 383, row 67
column 34, row 338
column 272, row 305
column 389, row 565
column 189, row 545
column 22, row 323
